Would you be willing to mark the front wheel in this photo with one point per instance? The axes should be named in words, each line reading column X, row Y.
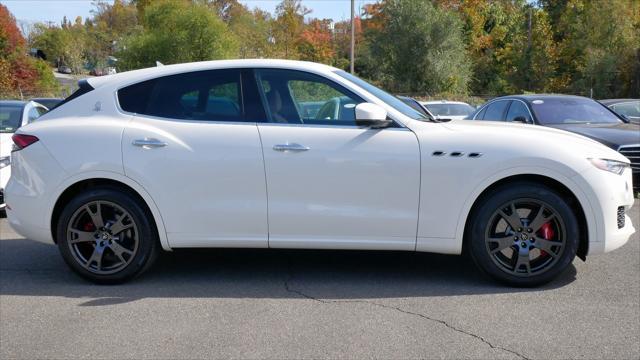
column 106, row 235
column 524, row 234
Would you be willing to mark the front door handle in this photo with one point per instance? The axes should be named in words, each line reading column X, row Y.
column 290, row 147
column 148, row 143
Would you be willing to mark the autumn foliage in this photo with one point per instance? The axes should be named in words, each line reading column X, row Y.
column 19, row 73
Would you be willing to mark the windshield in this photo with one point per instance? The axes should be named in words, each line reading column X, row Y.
column 384, row 96
column 10, row 118
column 630, row 109
column 572, row 111
column 450, row 109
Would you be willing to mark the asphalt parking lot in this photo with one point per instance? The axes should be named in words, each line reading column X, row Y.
column 315, row 304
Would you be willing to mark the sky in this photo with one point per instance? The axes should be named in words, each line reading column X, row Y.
column 55, row 10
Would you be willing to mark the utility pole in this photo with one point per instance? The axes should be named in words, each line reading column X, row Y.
column 353, row 37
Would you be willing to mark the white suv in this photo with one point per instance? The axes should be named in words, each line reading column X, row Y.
column 286, row 154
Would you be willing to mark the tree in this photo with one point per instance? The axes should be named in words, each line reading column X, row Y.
column 20, row 74
column 315, row 42
column 421, row 48
column 62, row 45
column 598, row 54
column 176, row 32
column 288, row 27
column 253, row 28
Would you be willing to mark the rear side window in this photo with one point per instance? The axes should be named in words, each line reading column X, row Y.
column 204, row 95
column 135, row 98
column 518, row 112
column 495, row 110
column 480, row 115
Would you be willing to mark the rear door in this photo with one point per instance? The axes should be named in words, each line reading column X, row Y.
column 193, row 145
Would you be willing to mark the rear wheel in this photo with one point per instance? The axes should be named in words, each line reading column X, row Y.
column 105, row 235
column 524, row 234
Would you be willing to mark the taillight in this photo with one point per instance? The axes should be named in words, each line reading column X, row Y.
column 21, row 141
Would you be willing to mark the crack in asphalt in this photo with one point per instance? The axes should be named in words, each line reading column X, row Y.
column 439, row 321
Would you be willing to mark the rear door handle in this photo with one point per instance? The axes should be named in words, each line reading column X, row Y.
column 290, row 147
column 148, row 143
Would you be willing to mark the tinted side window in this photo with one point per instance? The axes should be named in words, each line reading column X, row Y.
column 297, row 97
column 204, row 95
column 518, row 110
column 495, row 110
column 480, row 115
column 135, row 98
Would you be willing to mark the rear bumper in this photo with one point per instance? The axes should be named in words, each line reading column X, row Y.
column 28, row 191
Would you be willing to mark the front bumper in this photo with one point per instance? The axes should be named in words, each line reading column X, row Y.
column 608, row 194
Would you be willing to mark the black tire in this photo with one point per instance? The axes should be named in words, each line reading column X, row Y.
column 137, row 246
column 557, row 239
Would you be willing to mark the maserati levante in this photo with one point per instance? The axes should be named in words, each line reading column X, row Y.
column 286, row 154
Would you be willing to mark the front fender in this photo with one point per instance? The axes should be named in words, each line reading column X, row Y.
column 582, row 194
column 447, row 200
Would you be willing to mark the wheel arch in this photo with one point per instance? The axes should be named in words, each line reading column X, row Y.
column 578, row 204
column 73, row 186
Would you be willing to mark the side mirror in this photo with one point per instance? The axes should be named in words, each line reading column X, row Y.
column 520, row 119
column 372, row 116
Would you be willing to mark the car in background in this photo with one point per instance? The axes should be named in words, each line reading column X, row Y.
column 577, row 114
column 13, row 114
column 453, row 110
column 628, row 108
column 49, row 103
column 63, row 69
column 416, row 105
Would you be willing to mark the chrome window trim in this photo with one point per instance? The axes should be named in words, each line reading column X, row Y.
column 399, row 124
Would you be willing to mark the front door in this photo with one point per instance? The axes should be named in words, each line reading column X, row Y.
column 331, row 183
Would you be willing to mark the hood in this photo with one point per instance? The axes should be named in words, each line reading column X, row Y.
column 450, row 117
column 611, row 135
column 5, row 144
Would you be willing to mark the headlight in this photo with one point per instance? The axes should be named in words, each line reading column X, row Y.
column 5, row 161
column 616, row 167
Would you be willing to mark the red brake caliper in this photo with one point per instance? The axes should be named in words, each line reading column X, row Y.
column 547, row 233
column 89, row 226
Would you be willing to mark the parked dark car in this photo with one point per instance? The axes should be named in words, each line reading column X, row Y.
column 49, row 103
column 629, row 108
column 577, row 114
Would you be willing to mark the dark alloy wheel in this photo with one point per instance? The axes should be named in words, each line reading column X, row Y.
column 102, row 237
column 105, row 235
column 525, row 234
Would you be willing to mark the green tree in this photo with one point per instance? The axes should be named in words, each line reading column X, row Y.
column 288, row 27
column 599, row 54
column 64, row 45
column 177, row 32
column 251, row 28
column 420, row 48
